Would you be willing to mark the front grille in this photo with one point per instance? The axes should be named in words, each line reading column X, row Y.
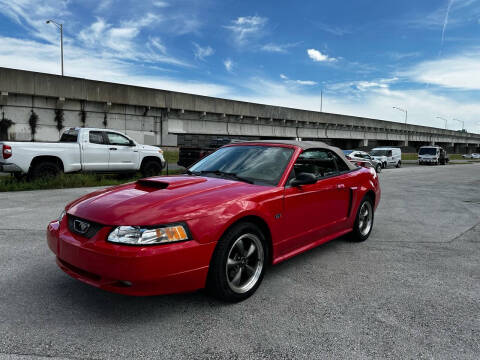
column 83, row 227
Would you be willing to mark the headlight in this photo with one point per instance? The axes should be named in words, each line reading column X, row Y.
column 136, row 235
column 62, row 214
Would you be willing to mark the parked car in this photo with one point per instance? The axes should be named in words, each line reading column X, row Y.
column 246, row 206
column 388, row 156
column 359, row 156
column 471, row 156
column 432, row 155
column 81, row 149
column 189, row 155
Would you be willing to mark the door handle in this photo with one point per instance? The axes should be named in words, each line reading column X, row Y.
column 340, row 186
column 113, row 149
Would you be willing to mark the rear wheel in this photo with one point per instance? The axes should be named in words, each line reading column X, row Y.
column 364, row 221
column 238, row 263
column 399, row 164
column 151, row 168
column 45, row 170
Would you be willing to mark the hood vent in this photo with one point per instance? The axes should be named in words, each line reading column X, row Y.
column 170, row 183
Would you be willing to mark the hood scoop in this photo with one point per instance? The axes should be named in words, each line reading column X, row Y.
column 170, row 183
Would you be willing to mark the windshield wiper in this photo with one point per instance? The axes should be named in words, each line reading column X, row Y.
column 189, row 172
column 228, row 174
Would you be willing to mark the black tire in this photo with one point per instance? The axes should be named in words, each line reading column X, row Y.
column 151, row 168
column 378, row 168
column 44, row 170
column 360, row 232
column 384, row 165
column 399, row 164
column 228, row 261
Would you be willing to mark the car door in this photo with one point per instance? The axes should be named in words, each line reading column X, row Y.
column 95, row 153
column 316, row 210
column 390, row 158
column 123, row 155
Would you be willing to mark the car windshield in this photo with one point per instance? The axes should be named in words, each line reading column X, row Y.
column 347, row 152
column 379, row 152
column 427, row 151
column 262, row 165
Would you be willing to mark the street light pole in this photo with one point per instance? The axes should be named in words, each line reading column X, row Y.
column 60, row 26
column 406, row 118
column 441, row 118
column 461, row 122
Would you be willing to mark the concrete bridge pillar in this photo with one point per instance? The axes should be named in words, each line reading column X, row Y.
column 405, row 143
column 365, row 142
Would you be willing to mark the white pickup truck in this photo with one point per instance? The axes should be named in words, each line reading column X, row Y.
column 81, row 149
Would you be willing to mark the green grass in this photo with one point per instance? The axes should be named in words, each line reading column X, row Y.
column 8, row 183
column 171, row 156
column 409, row 156
column 413, row 156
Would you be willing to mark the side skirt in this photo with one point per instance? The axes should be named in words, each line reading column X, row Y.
column 310, row 246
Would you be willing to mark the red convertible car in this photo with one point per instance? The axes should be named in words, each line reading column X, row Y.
column 236, row 211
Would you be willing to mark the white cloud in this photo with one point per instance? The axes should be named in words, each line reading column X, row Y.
column 90, row 64
column 202, row 52
column 161, row 4
column 277, row 48
column 157, row 44
column 228, row 65
column 459, row 72
column 317, row 56
column 423, row 105
column 31, row 15
column 297, row 82
column 244, row 28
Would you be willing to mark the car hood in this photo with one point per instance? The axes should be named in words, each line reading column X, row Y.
column 158, row 200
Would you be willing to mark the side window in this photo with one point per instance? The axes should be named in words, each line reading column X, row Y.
column 341, row 166
column 117, row 139
column 389, row 153
column 318, row 162
column 69, row 136
column 96, row 137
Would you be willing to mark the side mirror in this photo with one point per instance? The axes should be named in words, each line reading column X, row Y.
column 304, row 179
column 131, row 143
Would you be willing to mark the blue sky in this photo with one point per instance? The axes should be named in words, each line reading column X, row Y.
column 366, row 56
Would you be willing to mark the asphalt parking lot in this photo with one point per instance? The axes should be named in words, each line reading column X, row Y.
column 412, row 290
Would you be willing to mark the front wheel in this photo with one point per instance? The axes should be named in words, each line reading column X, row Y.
column 238, row 263
column 151, row 168
column 364, row 221
column 378, row 168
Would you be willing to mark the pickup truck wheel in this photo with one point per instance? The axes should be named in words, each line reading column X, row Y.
column 364, row 221
column 238, row 263
column 378, row 169
column 151, row 168
column 45, row 169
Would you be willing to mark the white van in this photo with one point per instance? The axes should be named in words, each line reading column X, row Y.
column 389, row 156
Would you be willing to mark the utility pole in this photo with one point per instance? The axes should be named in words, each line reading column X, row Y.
column 60, row 26
column 321, row 100
column 461, row 122
column 441, row 118
column 406, row 118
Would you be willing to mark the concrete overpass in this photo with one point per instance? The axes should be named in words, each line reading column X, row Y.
column 168, row 118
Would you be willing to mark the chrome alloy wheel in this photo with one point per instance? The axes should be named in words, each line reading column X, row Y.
column 244, row 263
column 365, row 218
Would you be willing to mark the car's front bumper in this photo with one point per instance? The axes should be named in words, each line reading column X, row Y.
column 131, row 270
